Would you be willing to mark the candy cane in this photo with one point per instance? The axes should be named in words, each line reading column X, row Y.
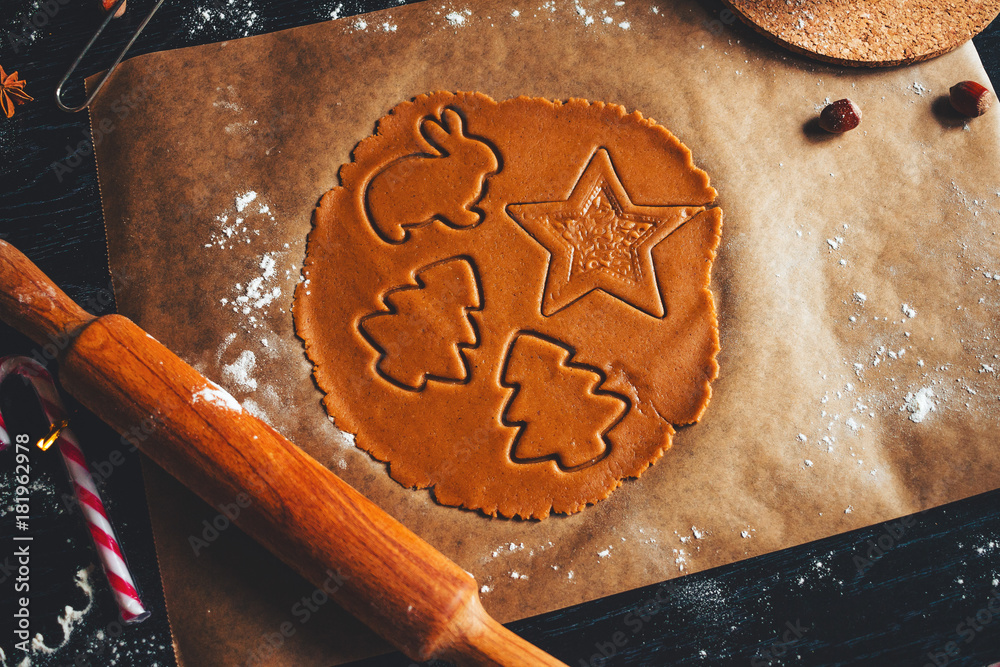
column 4, row 437
column 87, row 496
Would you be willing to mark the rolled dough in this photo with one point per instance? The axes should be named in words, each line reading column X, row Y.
column 509, row 302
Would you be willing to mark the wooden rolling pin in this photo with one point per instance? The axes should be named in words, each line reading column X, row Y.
column 399, row 585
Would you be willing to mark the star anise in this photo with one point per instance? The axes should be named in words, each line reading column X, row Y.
column 12, row 92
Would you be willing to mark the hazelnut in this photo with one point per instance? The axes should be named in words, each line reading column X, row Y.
column 840, row 116
column 970, row 98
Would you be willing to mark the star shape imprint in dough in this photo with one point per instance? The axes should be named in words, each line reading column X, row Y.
column 598, row 239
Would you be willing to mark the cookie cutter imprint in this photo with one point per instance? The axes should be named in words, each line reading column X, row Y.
column 509, row 302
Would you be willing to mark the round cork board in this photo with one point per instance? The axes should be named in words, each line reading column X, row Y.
column 868, row 34
column 508, row 302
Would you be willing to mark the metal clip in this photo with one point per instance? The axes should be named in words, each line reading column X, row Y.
column 107, row 75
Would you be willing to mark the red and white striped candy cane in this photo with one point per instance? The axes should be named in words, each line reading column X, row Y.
column 87, row 496
column 4, row 436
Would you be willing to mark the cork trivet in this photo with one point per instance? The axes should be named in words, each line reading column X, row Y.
column 868, row 34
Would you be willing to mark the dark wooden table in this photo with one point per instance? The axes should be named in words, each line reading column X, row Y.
column 918, row 592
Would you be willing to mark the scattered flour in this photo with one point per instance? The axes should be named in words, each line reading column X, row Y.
column 920, row 404
column 582, row 13
column 256, row 295
column 231, row 104
column 25, row 26
column 224, row 19
column 825, row 103
column 254, row 409
column 242, row 201
column 242, row 224
column 592, row 16
column 239, row 372
column 70, row 618
column 44, row 494
column 216, row 395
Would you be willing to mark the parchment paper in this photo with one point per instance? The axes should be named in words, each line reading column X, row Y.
column 825, row 239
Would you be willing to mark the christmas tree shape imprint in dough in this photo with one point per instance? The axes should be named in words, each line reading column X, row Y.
column 444, row 184
column 427, row 326
column 598, row 239
column 562, row 414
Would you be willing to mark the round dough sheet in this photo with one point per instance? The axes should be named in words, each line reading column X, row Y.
column 509, row 302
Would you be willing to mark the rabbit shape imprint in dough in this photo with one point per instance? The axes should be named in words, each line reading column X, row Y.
column 443, row 185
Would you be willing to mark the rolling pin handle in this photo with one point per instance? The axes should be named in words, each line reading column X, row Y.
column 32, row 303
